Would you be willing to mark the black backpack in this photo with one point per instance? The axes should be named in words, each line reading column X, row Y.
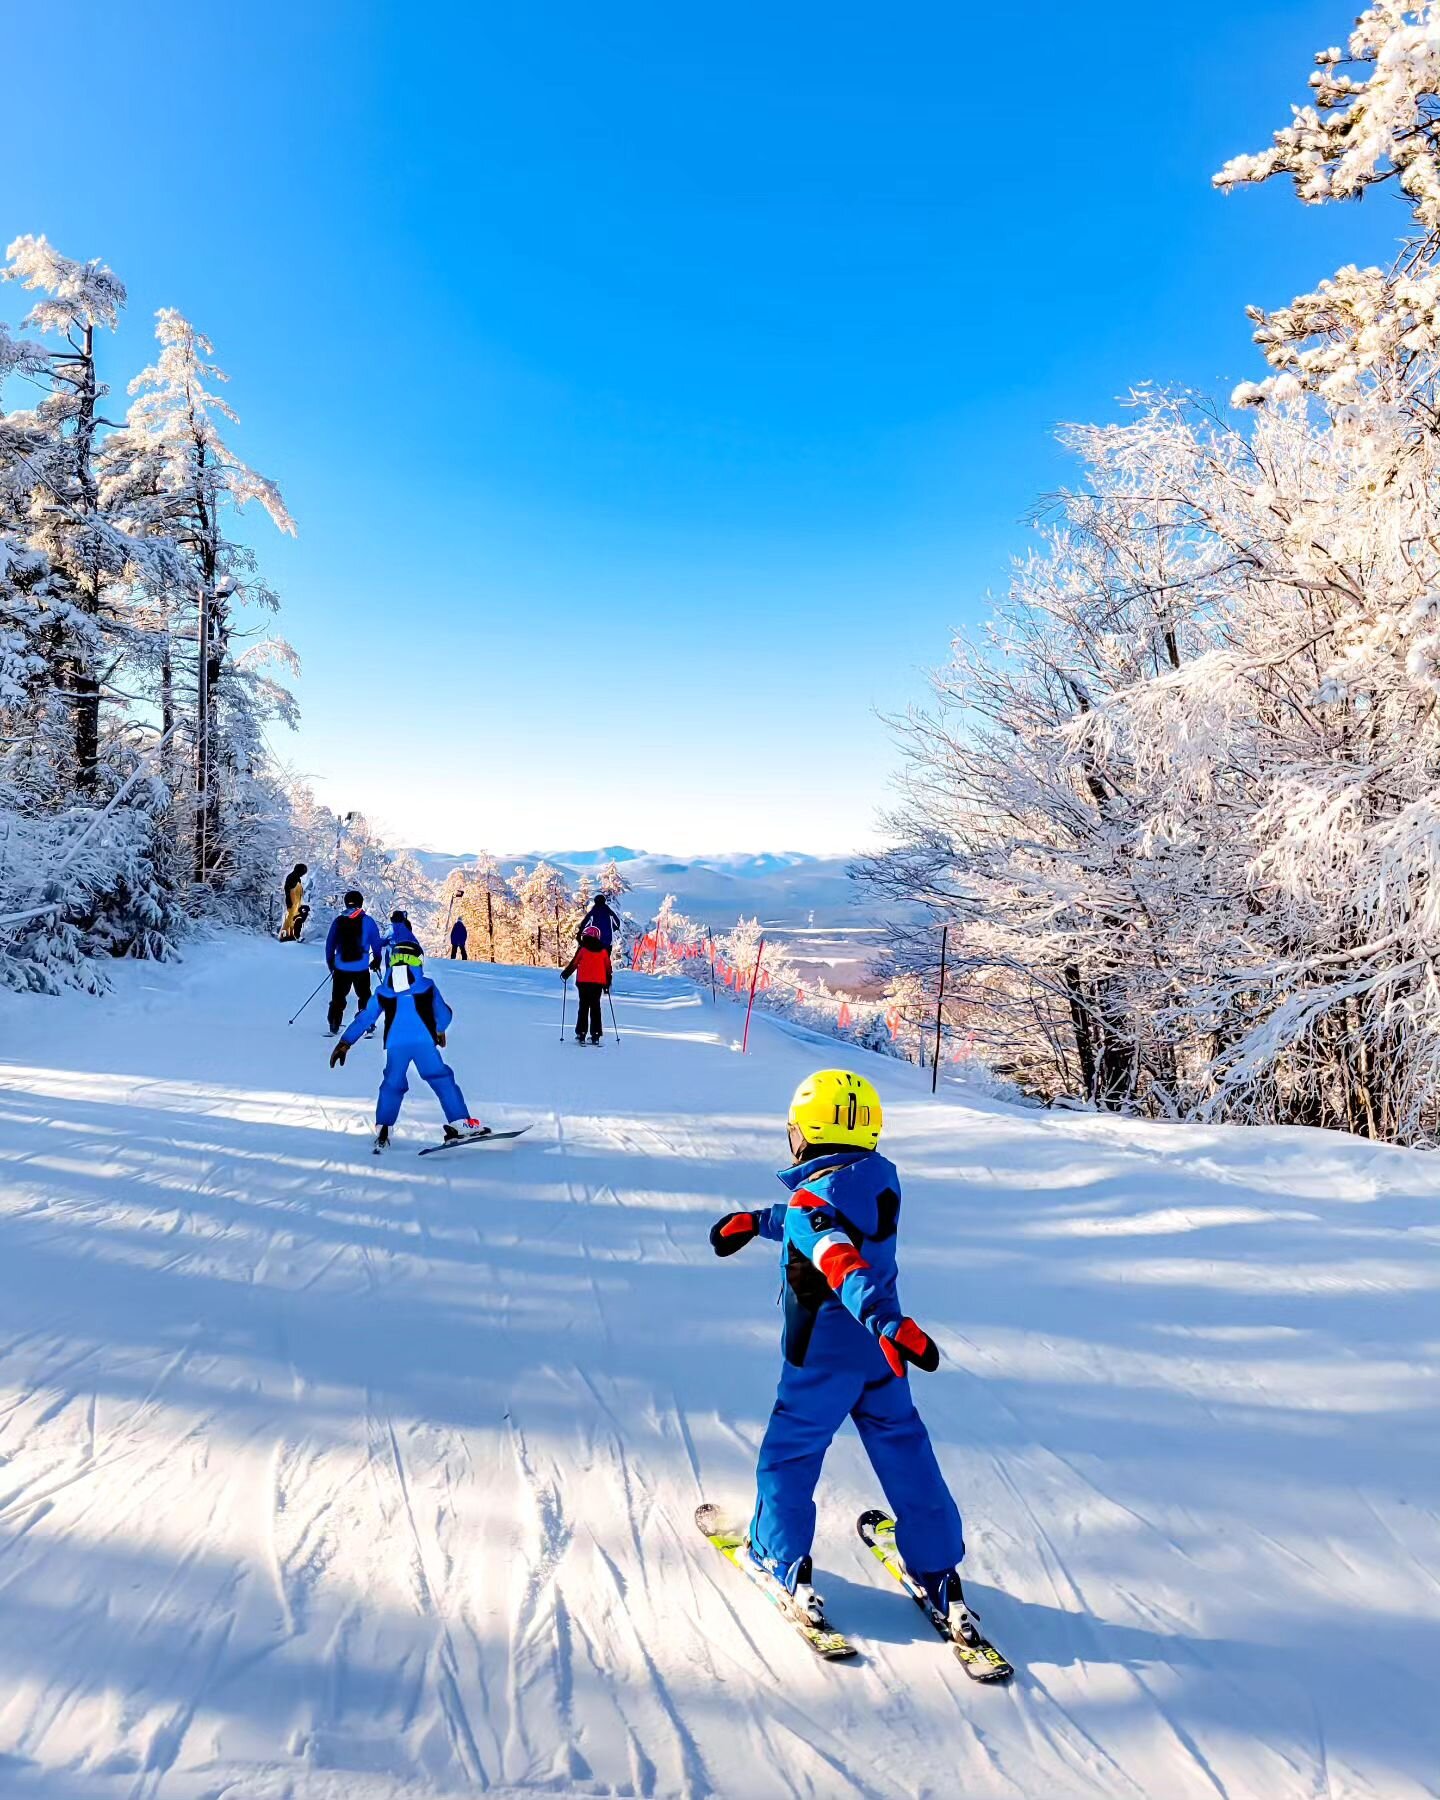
column 350, row 937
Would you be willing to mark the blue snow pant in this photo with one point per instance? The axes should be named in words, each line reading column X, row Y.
column 429, row 1063
column 841, row 1377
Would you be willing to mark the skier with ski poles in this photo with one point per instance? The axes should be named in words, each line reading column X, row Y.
column 352, row 955
column 849, row 1348
column 591, row 967
column 416, row 1019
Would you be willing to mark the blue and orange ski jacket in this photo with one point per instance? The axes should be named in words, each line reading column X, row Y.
column 838, row 1234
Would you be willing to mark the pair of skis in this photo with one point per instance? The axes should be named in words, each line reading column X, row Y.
column 978, row 1657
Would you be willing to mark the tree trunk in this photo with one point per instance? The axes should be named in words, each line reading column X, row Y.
column 1117, row 1046
column 1080, row 1023
column 85, row 685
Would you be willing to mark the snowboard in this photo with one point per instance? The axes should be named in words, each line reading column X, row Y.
column 979, row 1658
column 490, row 1137
column 729, row 1540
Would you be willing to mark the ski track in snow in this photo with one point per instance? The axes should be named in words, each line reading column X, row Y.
column 325, row 1477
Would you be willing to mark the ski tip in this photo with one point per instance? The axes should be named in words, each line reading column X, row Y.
column 872, row 1524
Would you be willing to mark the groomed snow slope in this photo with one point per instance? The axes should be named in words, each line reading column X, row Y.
column 329, row 1477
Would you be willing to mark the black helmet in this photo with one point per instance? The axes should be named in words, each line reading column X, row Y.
column 354, row 898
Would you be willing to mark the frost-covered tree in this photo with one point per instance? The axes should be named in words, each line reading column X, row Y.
column 174, row 474
column 480, row 895
column 51, row 477
column 544, row 901
column 1180, row 805
column 128, row 693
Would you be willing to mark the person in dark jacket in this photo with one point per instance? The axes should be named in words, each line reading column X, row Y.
column 604, row 918
column 459, row 937
column 294, row 900
column 590, row 965
column 352, row 953
column 848, row 1346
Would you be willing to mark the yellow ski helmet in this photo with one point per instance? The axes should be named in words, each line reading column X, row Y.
column 833, row 1106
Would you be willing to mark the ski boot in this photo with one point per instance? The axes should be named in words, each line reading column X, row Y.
column 947, row 1599
column 594, row 1037
column 804, row 1605
column 460, row 1131
column 382, row 1140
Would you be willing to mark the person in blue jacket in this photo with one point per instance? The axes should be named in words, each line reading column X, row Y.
column 401, row 931
column 459, row 937
column 416, row 1020
column 848, row 1346
column 352, row 954
column 603, row 915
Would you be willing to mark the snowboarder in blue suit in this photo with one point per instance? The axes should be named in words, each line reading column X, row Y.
column 848, row 1346
column 416, row 1020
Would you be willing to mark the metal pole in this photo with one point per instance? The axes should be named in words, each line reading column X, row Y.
column 564, row 985
column 490, row 923
column 754, row 977
column 711, row 936
column 309, row 997
column 939, row 1012
column 615, row 1029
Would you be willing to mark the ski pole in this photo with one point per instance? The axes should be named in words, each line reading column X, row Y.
column 309, row 997
column 563, row 986
column 614, row 1028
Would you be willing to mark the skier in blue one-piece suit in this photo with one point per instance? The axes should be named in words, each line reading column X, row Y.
column 847, row 1344
column 416, row 1020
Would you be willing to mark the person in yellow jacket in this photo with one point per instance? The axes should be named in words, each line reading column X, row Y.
column 294, row 901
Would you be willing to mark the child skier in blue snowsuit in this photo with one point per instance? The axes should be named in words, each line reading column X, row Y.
column 416, row 1020
column 848, row 1345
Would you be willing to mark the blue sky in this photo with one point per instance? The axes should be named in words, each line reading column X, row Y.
column 656, row 389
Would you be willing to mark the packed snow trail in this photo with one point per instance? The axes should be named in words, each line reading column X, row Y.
column 333, row 1478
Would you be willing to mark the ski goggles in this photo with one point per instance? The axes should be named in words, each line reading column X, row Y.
column 408, row 958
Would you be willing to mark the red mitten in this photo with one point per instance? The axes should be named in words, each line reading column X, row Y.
column 733, row 1233
column 904, row 1342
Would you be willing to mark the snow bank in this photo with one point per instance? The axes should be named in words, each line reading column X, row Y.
column 326, row 1477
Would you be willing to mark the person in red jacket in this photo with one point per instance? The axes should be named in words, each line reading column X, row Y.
column 590, row 965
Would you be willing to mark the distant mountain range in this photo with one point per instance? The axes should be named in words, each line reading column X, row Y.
column 780, row 888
